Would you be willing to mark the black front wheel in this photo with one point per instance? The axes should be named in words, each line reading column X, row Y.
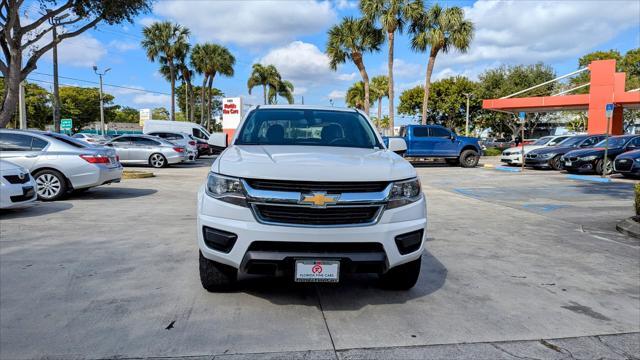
column 556, row 164
column 216, row 277
column 600, row 165
column 469, row 158
column 402, row 277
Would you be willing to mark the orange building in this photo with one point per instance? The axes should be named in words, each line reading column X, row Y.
column 605, row 86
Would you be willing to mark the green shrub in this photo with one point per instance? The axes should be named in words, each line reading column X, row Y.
column 638, row 199
column 492, row 151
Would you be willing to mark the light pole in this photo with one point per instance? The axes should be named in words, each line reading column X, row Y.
column 55, row 21
column 466, row 128
column 95, row 69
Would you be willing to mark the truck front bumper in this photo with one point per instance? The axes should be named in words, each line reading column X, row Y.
column 257, row 243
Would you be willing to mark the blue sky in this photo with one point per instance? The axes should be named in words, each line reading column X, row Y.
column 292, row 35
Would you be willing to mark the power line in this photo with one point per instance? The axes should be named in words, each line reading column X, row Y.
column 111, row 85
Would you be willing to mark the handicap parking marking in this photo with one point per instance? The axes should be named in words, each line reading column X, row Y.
column 589, row 178
column 544, row 207
column 508, row 169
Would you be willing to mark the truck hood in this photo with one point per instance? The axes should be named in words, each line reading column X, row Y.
column 312, row 163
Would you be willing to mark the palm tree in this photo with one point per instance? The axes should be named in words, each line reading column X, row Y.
column 440, row 30
column 209, row 60
column 184, row 74
column 380, row 90
column 167, row 40
column 283, row 89
column 355, row 97
column 350, row 40
column 392, row 15
column 265, row 76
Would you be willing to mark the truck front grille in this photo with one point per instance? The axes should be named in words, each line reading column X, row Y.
column 310, row 186
column 329, row 216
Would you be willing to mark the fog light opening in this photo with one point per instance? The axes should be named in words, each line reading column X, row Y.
column 218, row 239
column 409, row 242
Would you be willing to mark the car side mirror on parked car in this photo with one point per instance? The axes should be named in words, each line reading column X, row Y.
column 397, row 145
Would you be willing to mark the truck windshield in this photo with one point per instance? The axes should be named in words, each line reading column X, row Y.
column 307, row 127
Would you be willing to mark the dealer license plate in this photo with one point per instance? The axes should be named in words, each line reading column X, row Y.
column 317, row 271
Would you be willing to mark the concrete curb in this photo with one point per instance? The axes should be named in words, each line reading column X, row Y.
column 629, row 227
column 135, row 174
column 488, row 166
column 589, row 178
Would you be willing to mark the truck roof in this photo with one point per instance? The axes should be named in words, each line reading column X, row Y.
column 302, row 107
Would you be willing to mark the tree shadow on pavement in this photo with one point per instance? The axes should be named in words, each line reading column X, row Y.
column 354, row 291
column 35, row 209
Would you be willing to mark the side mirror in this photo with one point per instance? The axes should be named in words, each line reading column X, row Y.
column 452, row 136
column 397, row 145
column 218, row 140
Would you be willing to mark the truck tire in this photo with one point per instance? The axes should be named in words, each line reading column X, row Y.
column 216, row 277
column 469, row 158
column 402, row 277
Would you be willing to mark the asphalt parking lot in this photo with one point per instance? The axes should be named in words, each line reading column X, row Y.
column 511, row 259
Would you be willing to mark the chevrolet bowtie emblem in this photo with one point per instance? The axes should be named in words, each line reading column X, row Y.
column 319, row 199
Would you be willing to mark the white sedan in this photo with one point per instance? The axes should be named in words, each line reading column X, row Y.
column 17, row 187
column 513, row 155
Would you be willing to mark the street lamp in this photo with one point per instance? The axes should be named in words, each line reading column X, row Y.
column 55, row 21
column 466, row 131
column 101, row 74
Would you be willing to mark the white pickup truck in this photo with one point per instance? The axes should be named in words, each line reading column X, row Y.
column 311, row 193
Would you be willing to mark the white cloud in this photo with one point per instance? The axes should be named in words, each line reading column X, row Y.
column 146, row 21
column 249, row 23
column 347, row 77
column 123, row 45
column 300, row 62
column 152, row 99
column 532, row 31
column 300, row 90
column 403, row 69
column 337, row 94
column 346, row 4
column 82, row 50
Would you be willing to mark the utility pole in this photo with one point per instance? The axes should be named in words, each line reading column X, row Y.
column 95, row 69
column 466, row 129
column 605, row 160
column 302, row 99
column 55, row 21
column 22, row 107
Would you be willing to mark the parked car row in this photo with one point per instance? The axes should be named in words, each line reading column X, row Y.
column 580, row 154
column 47, row 165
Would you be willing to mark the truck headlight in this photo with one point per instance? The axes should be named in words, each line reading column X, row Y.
column 589, row 158
column 227, row 189
column 404, row 192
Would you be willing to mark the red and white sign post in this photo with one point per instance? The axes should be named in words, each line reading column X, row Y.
column 231, row 115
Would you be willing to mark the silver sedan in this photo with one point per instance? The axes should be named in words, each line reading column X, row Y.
column 59, row 163
column 143, row 149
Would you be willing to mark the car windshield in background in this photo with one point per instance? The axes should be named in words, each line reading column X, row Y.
column 614, row 142
column 543, row 140
column 572, row 141
column 307, row 127
column 67, row 140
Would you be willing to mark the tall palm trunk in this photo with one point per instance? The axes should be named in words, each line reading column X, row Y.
column 390, row 65
column 209, row 85
column 172, row 72
column 357, row 60
column 380, row 108
column 427, row 84
column 203, row 99
column 264, row 93
column 192, row 101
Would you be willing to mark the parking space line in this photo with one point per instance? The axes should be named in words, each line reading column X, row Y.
column 589, row 178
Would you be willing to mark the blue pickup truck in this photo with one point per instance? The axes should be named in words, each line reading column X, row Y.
column 434, row 141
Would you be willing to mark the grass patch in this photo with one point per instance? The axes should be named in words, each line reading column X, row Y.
column 492, row 151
